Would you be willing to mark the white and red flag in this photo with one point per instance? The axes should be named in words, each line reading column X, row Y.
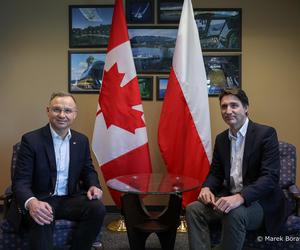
column 184, row 134
column 120, row 140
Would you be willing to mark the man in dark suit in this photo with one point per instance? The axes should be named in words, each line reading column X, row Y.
column 241, row 188
column 53, row 165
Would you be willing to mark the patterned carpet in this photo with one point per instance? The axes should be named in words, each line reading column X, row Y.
column 119, row 241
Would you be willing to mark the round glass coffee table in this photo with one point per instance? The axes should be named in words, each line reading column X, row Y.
column 139, row 222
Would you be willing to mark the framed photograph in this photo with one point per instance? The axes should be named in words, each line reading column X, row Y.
column 146, row 87
column 89, row 25
column 140, row 11
column 85, row 71
column 161, row 87
column 222, row 72
column 219, row 29
column 152, row 48
column 169, row 11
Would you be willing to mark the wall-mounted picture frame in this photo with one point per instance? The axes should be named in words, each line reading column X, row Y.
column 85, row 71
column 152, row 48
column 219, row 29
column 169, row 11
column 89, row 25
column 222, row 71
column 161, row 87
column 146, row 87
column 140, row 11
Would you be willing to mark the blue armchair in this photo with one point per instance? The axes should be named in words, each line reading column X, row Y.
column 12, row 240
column 289, row 237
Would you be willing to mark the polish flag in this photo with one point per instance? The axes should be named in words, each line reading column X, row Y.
column 184, row 134
column 120, row 140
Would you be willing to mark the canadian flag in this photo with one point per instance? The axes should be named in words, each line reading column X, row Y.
column 120, row 140
column 184, row 134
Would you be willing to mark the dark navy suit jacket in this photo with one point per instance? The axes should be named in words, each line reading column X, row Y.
column 261, row 166
column 35, row 173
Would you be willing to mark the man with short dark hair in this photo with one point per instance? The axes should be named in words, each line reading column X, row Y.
column 53, row 164
column 241, row 188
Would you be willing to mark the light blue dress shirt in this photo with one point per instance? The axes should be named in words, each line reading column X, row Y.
column 62, row 158
column 237, row 155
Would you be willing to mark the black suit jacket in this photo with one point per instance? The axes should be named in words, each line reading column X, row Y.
column 261, row 166
column 35, row 173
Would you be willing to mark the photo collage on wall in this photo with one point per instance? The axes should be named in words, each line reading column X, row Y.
column 152, row 28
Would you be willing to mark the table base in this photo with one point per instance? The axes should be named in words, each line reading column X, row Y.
column 140, row 223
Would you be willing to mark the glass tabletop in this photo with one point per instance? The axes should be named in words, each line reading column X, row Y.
column 153, row 183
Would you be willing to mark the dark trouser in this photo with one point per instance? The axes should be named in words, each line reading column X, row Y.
column 234, row 225
column 88, row 213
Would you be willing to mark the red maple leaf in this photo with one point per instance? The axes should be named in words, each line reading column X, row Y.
column 116, row 102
